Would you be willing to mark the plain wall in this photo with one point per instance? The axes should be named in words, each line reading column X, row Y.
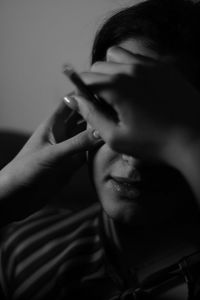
column 37, row 37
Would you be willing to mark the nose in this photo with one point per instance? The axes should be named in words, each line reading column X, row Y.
column 128, row 159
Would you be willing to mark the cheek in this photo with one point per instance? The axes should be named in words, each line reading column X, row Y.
column 100, row 162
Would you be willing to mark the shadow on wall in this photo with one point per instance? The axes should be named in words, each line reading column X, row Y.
column 10, row 144
column 77, row 194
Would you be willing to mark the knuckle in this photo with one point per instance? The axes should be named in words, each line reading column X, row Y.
column 87, row 112
column 86, row 77
column 85, row 139
column 111, row 51
column 77, row 142
column 95, row 66
column 88, row 115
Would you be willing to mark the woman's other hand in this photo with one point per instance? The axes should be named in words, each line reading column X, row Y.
column 45, row 164
column 157, row 107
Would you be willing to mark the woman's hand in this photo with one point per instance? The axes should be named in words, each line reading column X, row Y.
column 156, row 106
column 157, row 110
column 44, row 165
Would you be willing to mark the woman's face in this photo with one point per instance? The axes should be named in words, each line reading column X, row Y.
column 134, row 191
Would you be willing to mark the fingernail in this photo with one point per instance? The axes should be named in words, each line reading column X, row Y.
column 71, row 102
column 96, row 134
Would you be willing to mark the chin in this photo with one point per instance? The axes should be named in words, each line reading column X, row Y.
column 122, row 211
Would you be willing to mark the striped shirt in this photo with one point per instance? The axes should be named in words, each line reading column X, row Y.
column 57, row 254
column 54, row 254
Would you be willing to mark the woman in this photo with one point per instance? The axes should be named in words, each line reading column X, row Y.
column 150, row 218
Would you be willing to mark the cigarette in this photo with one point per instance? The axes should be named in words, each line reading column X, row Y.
column 69, row 71
column 78, row 82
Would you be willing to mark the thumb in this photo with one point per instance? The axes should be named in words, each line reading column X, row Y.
column 81, row 142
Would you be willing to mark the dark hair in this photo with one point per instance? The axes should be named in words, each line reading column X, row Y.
column 173, row 27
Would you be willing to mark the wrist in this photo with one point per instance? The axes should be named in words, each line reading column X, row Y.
column 183, row 153
column 6, row 183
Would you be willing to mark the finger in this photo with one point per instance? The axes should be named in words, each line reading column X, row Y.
column 113, row 68
column 95, row 78
column 65, row 115
column 78, row 143
column 57, row 117
column 62, row 124
column 112, row 88
column 96, row 117
column 99, row 84
column 60, row 113
column 120, row 55
column 95, row 82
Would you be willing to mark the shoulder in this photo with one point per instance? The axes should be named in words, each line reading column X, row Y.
column 47, row 244
column 46, row 224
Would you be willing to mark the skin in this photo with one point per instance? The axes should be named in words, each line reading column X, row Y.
column 148, row 194
column 146, row 127
column 152, row 209
column 43, row 166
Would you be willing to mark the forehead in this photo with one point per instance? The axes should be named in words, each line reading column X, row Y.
column 184, row 62
column 139, row 46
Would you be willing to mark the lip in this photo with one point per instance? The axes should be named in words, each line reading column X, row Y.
column 135, row 187
column 125, row 187
column 129, row 180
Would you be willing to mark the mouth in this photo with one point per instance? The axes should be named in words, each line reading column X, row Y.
column 126, row 187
